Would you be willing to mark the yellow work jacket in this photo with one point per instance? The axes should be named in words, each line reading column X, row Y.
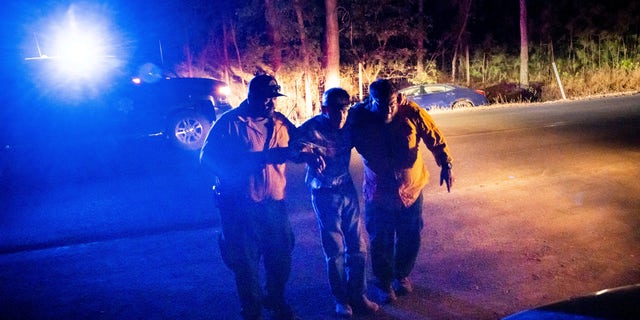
column 394, row 169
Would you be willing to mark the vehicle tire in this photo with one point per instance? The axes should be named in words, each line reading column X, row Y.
column 462, row 104
column 188, row 129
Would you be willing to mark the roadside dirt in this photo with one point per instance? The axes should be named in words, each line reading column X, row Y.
column 498, row 245
column 522, row 229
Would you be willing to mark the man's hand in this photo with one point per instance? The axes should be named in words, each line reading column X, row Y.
column 314, row 161
column 446, row 176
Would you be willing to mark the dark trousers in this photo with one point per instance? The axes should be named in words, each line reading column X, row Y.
column 251, row 231
column 395, row 240
column 343, row 241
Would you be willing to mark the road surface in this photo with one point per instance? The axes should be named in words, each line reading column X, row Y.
column 545, row 207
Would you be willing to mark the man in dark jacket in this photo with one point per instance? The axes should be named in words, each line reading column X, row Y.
column 246, row 150
column 335, row 202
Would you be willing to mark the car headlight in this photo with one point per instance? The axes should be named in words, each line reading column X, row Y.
column 224, row 91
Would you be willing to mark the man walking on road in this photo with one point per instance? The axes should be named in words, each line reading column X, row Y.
column 386, row 131
column 246, row 150
column 335, row 202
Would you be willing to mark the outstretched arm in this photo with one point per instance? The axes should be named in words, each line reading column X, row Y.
column 446, row 176
column 435, row 142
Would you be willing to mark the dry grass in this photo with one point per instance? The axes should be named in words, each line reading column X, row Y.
column 595, row 82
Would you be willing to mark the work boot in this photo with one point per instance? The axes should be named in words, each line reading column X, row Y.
column 386, row 294
column 284, row 314
column 281, row 310
column 343, row 310
column 402, row 286
column 364, row 306
column 251, row 315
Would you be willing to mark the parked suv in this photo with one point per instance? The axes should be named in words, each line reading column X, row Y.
column 182, row 109
column 39, row 113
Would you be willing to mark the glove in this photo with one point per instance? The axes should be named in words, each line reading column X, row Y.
column 446, row 176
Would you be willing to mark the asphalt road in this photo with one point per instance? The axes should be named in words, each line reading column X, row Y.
column 545, row 207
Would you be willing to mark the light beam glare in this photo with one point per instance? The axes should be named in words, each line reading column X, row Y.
column 81, row 52
column 81, row 48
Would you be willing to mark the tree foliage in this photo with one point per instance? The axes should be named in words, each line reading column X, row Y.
column 382, row 38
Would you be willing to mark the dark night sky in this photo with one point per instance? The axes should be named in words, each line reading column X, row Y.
column 136, row 27
column 141, row 25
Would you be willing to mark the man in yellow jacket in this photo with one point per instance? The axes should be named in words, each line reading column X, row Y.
column 387, row 131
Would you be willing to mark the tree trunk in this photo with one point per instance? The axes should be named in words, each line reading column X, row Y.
column 235, row 46
column 332, row 53
column 225, row 53
column 276, row 39
column 484, row 67
column 465, row 9
column 308, row 99
column 454, row 63
column 524, row 46
column 467, row 65
column 420, row 39
column 189, row 56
